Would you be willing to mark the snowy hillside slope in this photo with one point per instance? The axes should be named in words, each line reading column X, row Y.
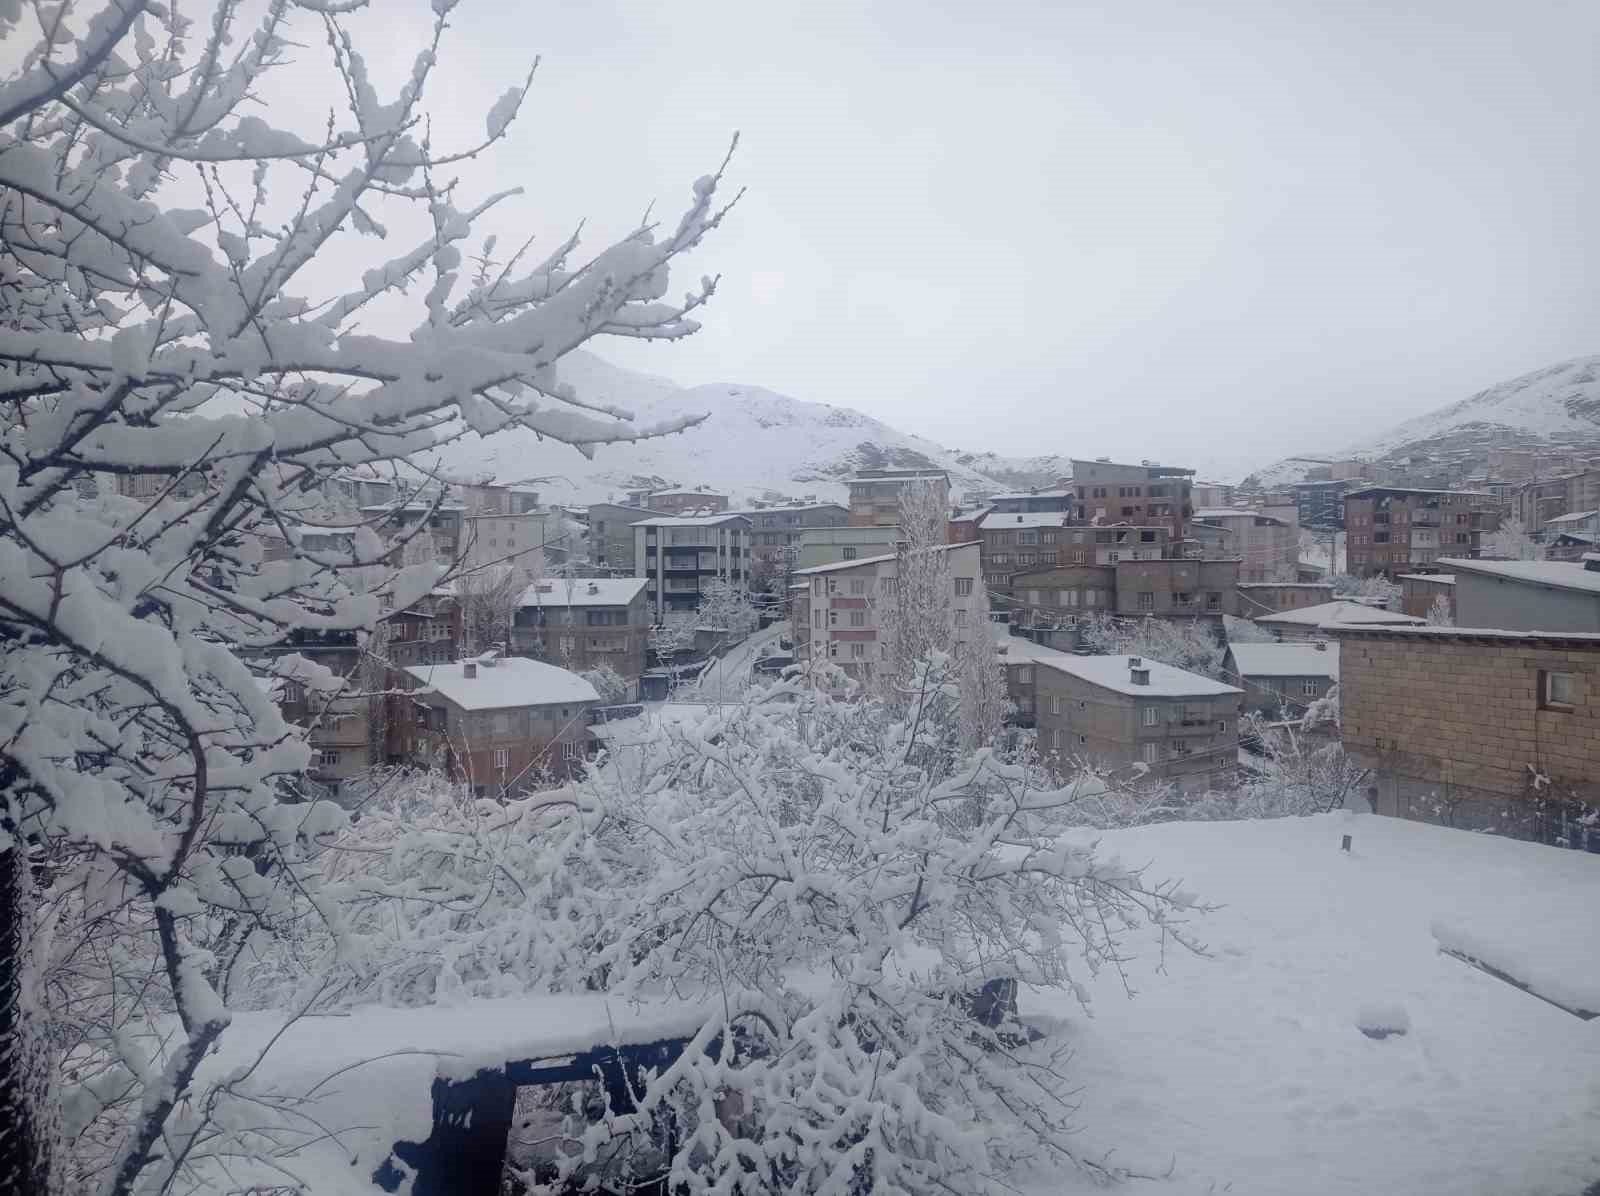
column 754, row 442
column 1558, row 405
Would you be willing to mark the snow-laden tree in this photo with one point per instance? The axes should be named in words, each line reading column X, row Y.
column 1182, row 643
column 1439, row 612
column 487, row 598
column 173, row 392
column 838, row 882
column 1377, row 588
column 1512, row 541
column 673, row 636
column 727, row 608
column 608, row 683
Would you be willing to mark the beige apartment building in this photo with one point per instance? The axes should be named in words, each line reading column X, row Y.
column 875, row 493
column 835, row 609
column 1481, row 729
column 830, row 545
column 1138, row 718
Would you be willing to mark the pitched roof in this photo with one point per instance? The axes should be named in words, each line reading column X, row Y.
column 689, row 520
column 1443, row 579
column 874, row 560
column 1564, row 575
column 1575, row 517
column 1015, row 649
column 1001, row 520
column 1116, row 674
column 583, row 591
column 1338, row 612
column 1286, row 660
column 506, row 683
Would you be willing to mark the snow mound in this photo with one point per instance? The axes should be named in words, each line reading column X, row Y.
column 1382, row 1019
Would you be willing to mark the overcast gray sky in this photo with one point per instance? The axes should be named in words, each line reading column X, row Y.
column 1206, row 231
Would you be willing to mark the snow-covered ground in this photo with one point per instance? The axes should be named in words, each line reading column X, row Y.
column 729, row 674
column 1246, row 1072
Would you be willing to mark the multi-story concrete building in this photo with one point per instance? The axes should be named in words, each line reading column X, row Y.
column 1321, row 504
column 1120, row 711
column 1538, row 502
column 829, row 545
column 611, row 535
column 1169, row 588
column 1212, row 494
column 524, row 542
column 679, row 555
column 836, row 616
column 1267, row 547
column 680, row 500
column 500, row 725
column 1060, row 497
column 1019, row 655
column 1483, row 729
column 1306, row 622
column 1420, row 591
column 1396, row 529
column 1144, row 494
column 404, row 520
column 582, row 623
column 875, row 493
column 776, row 531
column 1284, row 678
column 1527, row 595
column 1258, row 598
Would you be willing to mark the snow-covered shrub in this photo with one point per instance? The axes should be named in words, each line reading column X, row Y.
column 608, row 683
column 1182, row 643
column 178, row 391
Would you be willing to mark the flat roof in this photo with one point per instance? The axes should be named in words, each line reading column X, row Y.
column 1575, row 517
column 875, row 560
column 1001, row 520
column 1060, row 492
column 1582, row 639
column 1116, row 674
column 1286, row 585
column 1444, row 579
column 1337, row 612
column 1415, row 490
column 1562, row 575
column 688, row 520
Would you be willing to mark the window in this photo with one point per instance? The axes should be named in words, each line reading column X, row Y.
column 569, row 644
column 833, row 585
column 833, row 618
column 1113, row 556
column 1213, row 600
column 833, row 649
column 1091, row 597
column 502, row 757
column 1028, row 537
column 1055, row 703
column 847, row 553
column 858, row 651
column 1082, row 740
column 1152, row 752
column 1152, row 716
column 1002, row 558
column 1025, row 675
column 570, row 749
column 1147, row 600
column 1222, row 726
column 1556, row 689
column 502, row 723
column 858, row 618
column 1033, row 598
column 1308, row 688
column 328, row 758
column 858, row 586
column 963, row 587
column 816, row 618
column 817, row 586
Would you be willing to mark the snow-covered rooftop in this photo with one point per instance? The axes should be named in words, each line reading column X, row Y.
column 1002, row 520
column 1575, row 517
column 505, row 683
column 1585, row 639
column 1286, row 660
column 583, row 591
column 1014, row 648
column 1561, row 574
column 1338, row 612
column 1116, row 673
column 872, row 560
column 689, row 520
column 1059, row 492
column 1444, row 579
column 1286, row 585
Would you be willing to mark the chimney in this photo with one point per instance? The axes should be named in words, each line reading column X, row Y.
column 1140, row 676
column 1136, row 662
column 593, row 589
column 1019, row 518
column 469, row 668
column 1322, row 645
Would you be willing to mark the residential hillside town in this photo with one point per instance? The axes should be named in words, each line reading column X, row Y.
column 439, row 757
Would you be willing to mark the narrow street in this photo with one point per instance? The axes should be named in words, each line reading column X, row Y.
column 728, row 678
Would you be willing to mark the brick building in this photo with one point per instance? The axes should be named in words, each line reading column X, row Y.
column 1165, row 588
column 1118, row 711
column 1395, row 529
column 1283, row 678
column 1269, row 597
column 1490, row 730
column 499, row 725
column 1144, row 494
column 582, row 623
column 875, row 493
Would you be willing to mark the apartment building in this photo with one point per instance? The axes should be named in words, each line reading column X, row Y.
column 1145, row 494
column 835, row 608
column 1396, row 529
column 1168, row 588
column 1527, row 595
column 1536, row 503
column 500, row 725
column 582, row 623
column 491, row 498
column 1306, row 622
column 1269, row 597
column 611, row 535
column 1482, row 729
column 1119, row 712
column 1419, row 592
column 525, row 542
column 829, row 545
column 1320, row 505
column 439, row 522
column 701, row 500
column 1212, row 494
column 679, row 555
column 776, row 530
column 1283, row 679
column 1268, row 547
column 1060, row 497
column 1019, row 656
column 875, row 493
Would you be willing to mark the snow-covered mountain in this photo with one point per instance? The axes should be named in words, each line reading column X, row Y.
column 754, row 442
column 1558, row 406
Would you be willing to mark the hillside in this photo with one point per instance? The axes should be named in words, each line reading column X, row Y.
column 754, row 442
column 1556, row 407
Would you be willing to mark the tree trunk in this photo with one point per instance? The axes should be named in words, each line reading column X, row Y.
column 25, row 1124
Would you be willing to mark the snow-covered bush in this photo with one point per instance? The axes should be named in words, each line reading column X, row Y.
column 727, row 608
column 1512, row 541
column 175, row 393
column 608, row 683
column 1439, row 613
column 1378, row 588
column 1182, row 643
